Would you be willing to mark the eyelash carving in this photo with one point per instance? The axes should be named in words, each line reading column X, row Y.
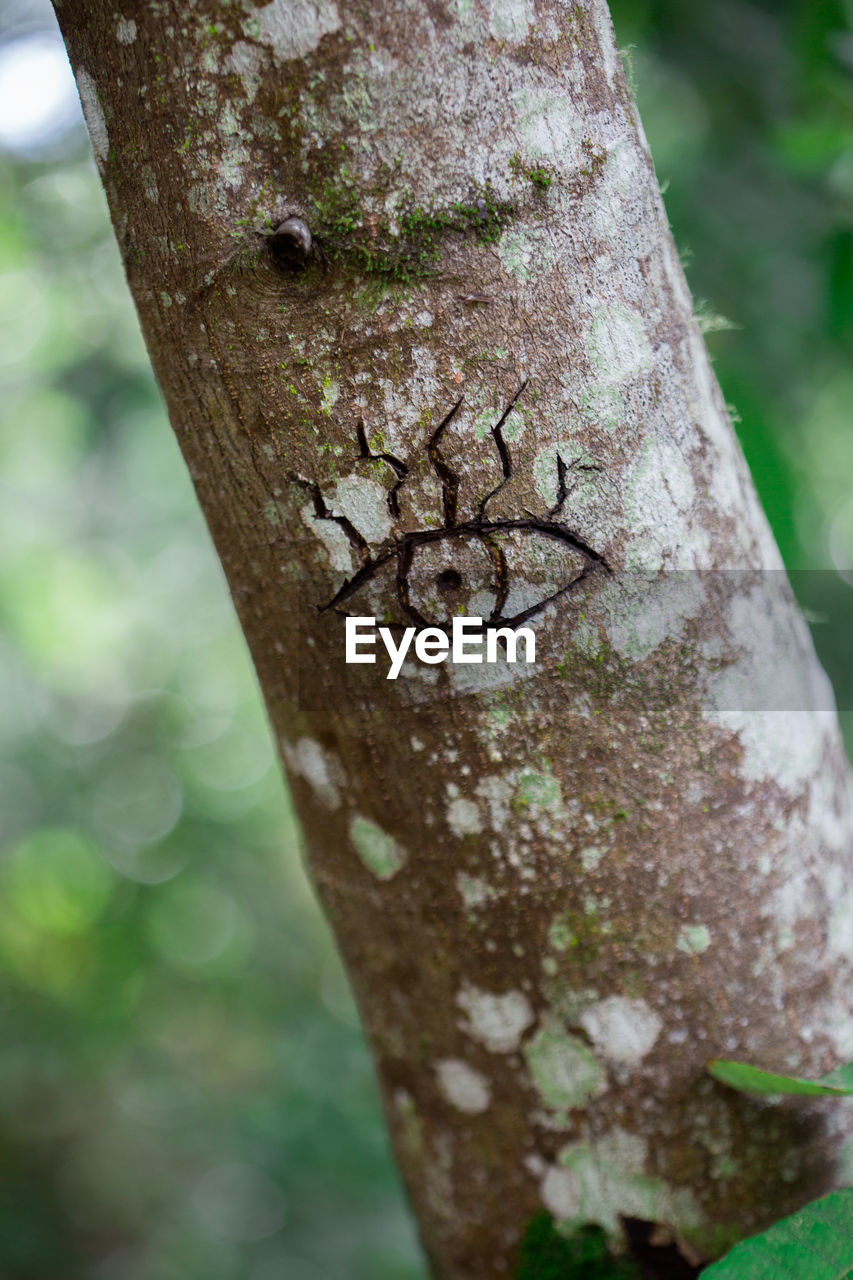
column 490, row 534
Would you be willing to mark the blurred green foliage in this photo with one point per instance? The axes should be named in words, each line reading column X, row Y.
column 184, row 1091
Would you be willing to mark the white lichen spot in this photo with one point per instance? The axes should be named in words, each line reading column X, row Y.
column 614, row 194
column 786, row 746
column 562, row 1068
column 244, row 61
column 623, row 1030
column 319, row 768
column 94, row 116
column 538, row 791
column 125, row 31
column 693, row 939
column 605, row 45
column 329, row 392
column 463, row 1087
column 837, row 1026
column 840, row 938
column 496, row 1021
column 776, row 696
column 463, row 817
column 560, row 934
column 536, row 1164
column 488, row 676
column 473, row 891
column 549, row 124
column 335, row 542
column 590, row 857
column 510, row 19
column 650, row 612
column 659, row 496
column 379, row 852
column 235, row 154
column 365, row 503
column 497, row 792
column 292, row 28
column 526, row 252
column 618, row 346
column 603, row 1184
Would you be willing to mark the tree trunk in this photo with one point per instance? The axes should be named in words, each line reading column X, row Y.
column 464, row 378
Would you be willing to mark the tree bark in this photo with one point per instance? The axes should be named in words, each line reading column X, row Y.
column 475, row 384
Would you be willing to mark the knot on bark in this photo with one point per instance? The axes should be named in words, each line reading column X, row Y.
column 291, row 246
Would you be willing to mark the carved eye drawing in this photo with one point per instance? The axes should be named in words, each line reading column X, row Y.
column 477, row 567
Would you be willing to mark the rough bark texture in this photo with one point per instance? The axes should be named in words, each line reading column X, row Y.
column 559, row 889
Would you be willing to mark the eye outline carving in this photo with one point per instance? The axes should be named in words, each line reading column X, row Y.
column 402, row 548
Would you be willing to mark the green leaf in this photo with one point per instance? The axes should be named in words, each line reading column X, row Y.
column 740, row 1075
column 841, row 1078
column 548, row 1255
column 814, row 1244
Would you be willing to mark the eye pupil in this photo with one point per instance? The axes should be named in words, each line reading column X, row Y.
column 449, row 580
